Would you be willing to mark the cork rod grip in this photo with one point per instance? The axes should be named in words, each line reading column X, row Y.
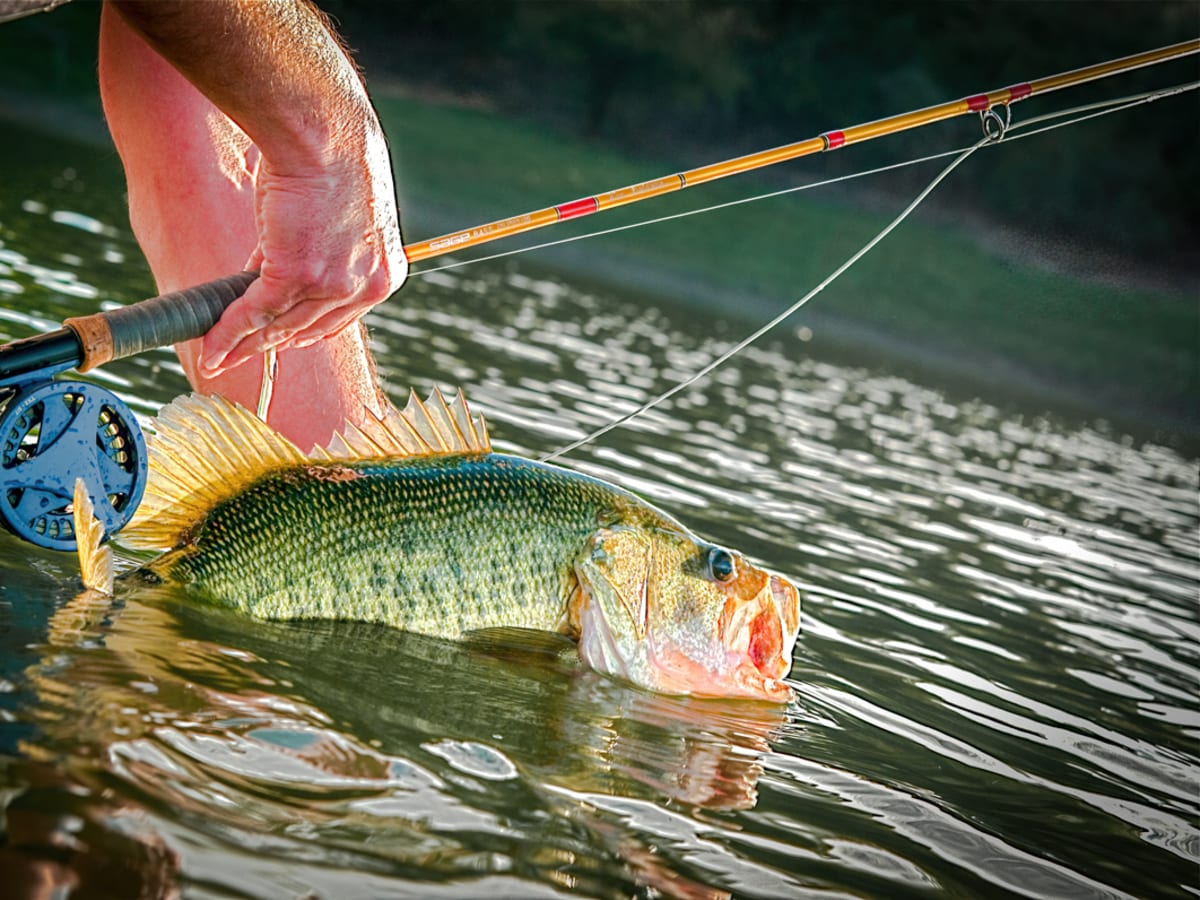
column 157, row 322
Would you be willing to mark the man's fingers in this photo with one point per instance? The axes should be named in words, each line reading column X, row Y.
column 241, row 353
column 270, row 315
column 302, row 318
column 256, row 310
column 255, row 262
column 303, row 325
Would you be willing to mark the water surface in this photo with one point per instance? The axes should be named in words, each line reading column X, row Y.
column 995, row 683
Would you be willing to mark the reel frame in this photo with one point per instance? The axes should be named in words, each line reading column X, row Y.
column 52, row 432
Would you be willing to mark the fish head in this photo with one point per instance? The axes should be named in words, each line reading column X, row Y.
column 677, row 615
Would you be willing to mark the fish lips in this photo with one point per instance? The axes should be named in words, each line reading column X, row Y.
column 759, row 635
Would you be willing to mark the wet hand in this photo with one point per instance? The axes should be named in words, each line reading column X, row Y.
column 329, row 250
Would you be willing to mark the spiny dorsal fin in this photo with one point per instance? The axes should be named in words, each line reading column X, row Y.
column 206, row 449
column 95, row 560
column 433, row 428
column 203, row 450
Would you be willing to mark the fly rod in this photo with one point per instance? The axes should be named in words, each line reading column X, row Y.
column 829, row 140
column 88, row 341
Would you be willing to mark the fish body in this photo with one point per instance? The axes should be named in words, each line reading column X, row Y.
column 413, row 521
column 440, row 545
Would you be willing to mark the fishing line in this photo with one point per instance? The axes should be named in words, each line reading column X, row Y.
column 763, row 329
column 989, row 120
column 1104, row 106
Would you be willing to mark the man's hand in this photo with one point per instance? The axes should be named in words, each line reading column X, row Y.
column 325, row 210
column 328, row 250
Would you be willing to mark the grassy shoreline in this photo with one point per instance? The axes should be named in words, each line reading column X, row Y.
column 934, row 299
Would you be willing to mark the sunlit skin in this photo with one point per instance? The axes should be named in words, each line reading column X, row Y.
column 266, row 156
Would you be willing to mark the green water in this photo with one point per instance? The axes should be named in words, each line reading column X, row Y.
column 995, row 683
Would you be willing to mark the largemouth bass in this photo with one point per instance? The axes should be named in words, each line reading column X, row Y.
column 413, row 521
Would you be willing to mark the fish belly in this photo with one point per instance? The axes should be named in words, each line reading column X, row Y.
column 438, row 546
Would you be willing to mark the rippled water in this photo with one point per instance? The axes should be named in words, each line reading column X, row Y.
column 996, row 684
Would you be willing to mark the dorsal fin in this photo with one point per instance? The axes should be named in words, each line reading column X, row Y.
column 206, row 449
column 433, row 428
column 203, row 450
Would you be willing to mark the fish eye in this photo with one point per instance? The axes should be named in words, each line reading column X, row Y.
column 720, row 564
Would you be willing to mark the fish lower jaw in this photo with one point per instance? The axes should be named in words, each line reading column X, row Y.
column 598, row 650
column 742, row 680
column 751, row 683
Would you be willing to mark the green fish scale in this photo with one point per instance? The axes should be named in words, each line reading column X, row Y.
column 441, row 545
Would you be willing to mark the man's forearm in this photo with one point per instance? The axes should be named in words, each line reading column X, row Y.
column 271, row 65
column 326, row 241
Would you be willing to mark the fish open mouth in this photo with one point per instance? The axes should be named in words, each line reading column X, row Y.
column 759, row 637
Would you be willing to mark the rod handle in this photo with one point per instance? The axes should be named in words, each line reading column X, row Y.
column 157, row 322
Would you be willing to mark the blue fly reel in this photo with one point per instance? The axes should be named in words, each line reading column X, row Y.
column 53, row 432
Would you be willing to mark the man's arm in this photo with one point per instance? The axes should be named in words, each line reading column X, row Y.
column 328, row 238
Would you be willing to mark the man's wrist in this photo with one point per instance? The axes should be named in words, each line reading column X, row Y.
column 328, row 136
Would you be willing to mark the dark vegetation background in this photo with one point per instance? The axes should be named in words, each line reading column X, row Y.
column 700, row 80
column 722, row 77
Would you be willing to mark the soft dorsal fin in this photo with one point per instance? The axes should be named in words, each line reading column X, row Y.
column 207, row 449
column 433, row 428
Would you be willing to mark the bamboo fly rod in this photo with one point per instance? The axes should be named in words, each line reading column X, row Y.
column 829, row 140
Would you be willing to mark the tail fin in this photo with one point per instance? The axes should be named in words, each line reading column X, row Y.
column 95, row 561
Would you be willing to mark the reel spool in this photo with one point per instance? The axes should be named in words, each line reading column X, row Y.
column 54, row 432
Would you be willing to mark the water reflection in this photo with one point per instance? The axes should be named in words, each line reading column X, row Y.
column 252, row 751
